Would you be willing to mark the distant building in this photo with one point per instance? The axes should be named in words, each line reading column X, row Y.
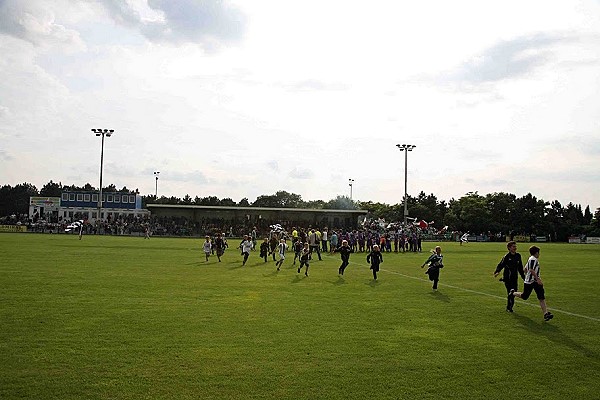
column 262, row 216
column 73, row 205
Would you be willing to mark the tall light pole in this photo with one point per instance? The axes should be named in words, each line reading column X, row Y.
column 405, row 148
column 156, row 188
column 107, row 133
column 350, row 182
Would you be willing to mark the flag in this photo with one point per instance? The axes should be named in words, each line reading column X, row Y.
column 74, row 225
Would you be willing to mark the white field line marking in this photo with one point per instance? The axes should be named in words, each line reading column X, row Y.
column 484, row 294
column 493, row 295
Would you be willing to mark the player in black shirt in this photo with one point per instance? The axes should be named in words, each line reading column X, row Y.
column 513, row 267
column 344, row 251
column 375, row 258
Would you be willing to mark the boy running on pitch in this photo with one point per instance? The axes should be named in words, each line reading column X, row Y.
column 344, row 251
column 246, row 247
column 207, row 247
column 264, row 249
column 282, row 248
column 375, row 258
column 533, row 282
column 436, row 262
column 304, row 257
column 298, row 245
column 513, row 267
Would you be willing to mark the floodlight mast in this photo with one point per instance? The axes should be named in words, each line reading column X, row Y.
column 156, row 173
column 102, row 133
column 405, row 148
column 350, row 182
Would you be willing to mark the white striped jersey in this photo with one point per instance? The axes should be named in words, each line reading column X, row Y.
column 532, row 264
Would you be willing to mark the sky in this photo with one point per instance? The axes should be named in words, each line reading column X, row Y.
column 237, row 99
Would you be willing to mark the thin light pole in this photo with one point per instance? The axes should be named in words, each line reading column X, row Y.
column 107, row 133
column 405, row 148
column 350, row 182
column 156, row 187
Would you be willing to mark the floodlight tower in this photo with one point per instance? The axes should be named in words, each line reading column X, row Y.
column 156, row 187
column 107, row 133
column 405, row 148
column 350, row 182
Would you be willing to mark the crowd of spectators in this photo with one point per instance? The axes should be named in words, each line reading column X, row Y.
column 388, row 236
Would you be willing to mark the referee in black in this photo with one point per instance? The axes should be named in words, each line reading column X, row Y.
column 512, row 265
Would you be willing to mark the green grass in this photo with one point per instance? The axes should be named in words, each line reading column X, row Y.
column 128, row 318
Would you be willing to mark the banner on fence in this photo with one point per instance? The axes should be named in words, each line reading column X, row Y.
column 13, row 228
column 593, row 240
column 518, row 238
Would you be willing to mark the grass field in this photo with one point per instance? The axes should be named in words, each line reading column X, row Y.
column 128, row 318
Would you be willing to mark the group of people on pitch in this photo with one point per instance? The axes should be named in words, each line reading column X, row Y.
column 512, row 265
column 303, row 252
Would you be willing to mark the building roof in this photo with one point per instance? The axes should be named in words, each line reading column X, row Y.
column 239, row 208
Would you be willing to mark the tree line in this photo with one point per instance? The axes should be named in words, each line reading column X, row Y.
column 495, row 212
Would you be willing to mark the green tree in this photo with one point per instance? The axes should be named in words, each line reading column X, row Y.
column 340, row 203
column 469, row 213
column 210, row 201
column 227, row 202
column 501, row 208
column 529, row 214
column 587, row 216
column 314, row 204
column 51, row 189
column 279, row 199
column 288, row 200
column 19, row 198
column 265, row 201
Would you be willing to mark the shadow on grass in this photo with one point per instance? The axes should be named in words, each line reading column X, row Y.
column 553, row 333
column 373, row 283
column 339, row 281
column 299, row 278
column 197, row 263
column 440, row 296
column 273, row 273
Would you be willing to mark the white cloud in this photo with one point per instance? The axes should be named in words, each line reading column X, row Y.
column 301, row 96
column 33, row 22
column 210, row 23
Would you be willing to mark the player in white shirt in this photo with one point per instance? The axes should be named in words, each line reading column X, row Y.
column 533, row 282
column 282, row 247
column 207, row 247
column 246, row 247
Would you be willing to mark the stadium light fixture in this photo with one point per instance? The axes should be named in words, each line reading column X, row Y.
column 405, row 148
column 103, row 133
column 350, row 182
column 156, row 187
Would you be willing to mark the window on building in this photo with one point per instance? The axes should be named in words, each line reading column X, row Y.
column 132, row 199
column 79, row 196
column 65, row 197
column 117, row 198
column 95, row 198
column 110, row 198
column 124, row 200
column 86, row 197
column 71, row 196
